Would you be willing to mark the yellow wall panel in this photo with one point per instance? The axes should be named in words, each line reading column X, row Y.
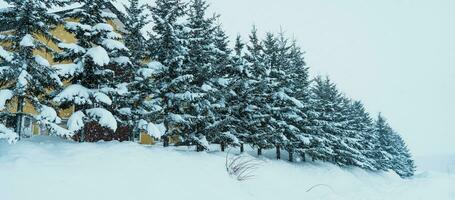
column 66, row 113
column 146, row 139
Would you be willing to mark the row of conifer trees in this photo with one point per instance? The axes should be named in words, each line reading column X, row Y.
column 257, row 93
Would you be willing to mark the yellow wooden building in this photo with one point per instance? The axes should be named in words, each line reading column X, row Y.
column 32, row 128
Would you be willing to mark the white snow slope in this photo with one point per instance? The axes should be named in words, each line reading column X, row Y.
column 52, row 169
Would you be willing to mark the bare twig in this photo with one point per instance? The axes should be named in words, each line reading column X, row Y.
column 320, row 185
column 241, row 167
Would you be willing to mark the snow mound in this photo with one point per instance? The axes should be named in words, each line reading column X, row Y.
column 76, row 121
column 72, row 46
column 41, row 61
column 81, row 95
column 8, row 134
column 103, row 117
column 48, row 114
column 6, row 54
column 27, row 41
column 103, row 27
column 152, row 68
column 99, row 55
column 78, row 94
column 5, row 95
column 151, row 128
column 114, row 44
column 68, row 70
column 53, row 169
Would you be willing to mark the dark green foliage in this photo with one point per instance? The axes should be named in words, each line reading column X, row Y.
column 22, row 72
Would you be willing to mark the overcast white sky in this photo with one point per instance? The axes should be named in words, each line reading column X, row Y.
column 397, row 56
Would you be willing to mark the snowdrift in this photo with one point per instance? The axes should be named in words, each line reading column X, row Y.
column 53, row 169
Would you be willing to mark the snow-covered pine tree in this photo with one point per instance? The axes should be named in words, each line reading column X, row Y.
column 349, row 149
column 179, row 90
column 224, row 129
column 137, row 105
column 135, row 21
column 199, row 65
column 297, row 89
column 279, row 103
column 99, row 69
column 394, row 154
column 325, row 133
column 385, row 144
column 361, row 126
column 147, row 105
column 402, row 164
column 24, row 73
column 167, row 44
column 257, row 117
column 231, row 126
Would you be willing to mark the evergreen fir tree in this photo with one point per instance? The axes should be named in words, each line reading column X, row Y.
column 167, row 43
column 295, row 77
column 257, row 117
column 199, row 66
column 231, row 128
column 280, row 104
column 325, row 134
column 25, row 74
column 183, row 99
column 101, row 69
column 385, row 144
column 135, row 20
column 167, row 46
column 402, row 164
column 349, row 149
column 361, row 126
column 300, row 85
column 394, row 155
column 223, row 129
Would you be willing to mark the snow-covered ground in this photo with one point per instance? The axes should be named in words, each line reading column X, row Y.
column 49, row 168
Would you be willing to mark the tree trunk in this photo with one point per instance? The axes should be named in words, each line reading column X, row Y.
column 278, row 152
column 82, row 138
column 241, row 148
column 291, row 156
column 259, row 152
column 223, row 146
column 165, row 141
column 303, row 157
column 199, row 148
column 19, row 116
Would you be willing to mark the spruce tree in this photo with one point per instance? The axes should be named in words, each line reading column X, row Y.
column 102, row 68
column 349, row 149
column 135, row 21
column 167, row 43
column 181, row 93
column 199, row 66
column 223, row 129
column 25, row 74
column 361, row 126
column 167, row 46
column 394, row 155
column 385, row 143
column 257, row 116
column 231, row 128
column 402, row 164
column 296, row 79
column 325, row 134
column 279, row 103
